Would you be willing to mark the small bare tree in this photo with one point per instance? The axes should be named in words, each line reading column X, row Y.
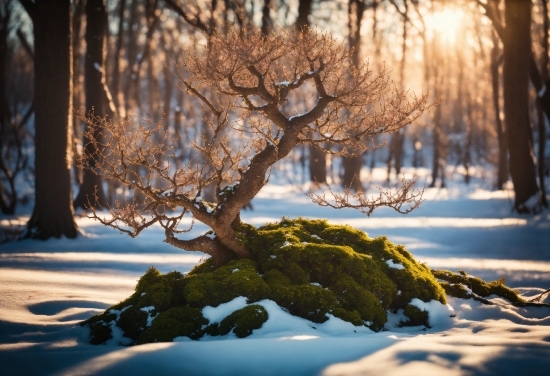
column 243, row 82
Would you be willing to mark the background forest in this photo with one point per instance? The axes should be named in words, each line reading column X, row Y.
column 483, row 62
column 477, row 71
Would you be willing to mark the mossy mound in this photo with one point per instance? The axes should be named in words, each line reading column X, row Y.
column 308, row 267
column 464, row 286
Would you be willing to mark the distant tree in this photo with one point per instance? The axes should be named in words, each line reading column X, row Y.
column 53, row 214
column 317, row 157
column 517, row 58
column 94, row 73
column 519, row 67
column 14, row 136
column 243, row 84
column 351, row 177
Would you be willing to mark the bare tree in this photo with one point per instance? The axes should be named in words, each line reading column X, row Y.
column 242, row 84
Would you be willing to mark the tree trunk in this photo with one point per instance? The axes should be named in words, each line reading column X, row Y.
column 502, row 174
column 78, row 95
column 266, row 20
column 517, row 55
column 53, row 210
column 317, row 165
column 540, row 110
column 118, row 95
column 91, row 189
column 351, row 178
column 304, row 11
column 8, row 197
column 317, row 157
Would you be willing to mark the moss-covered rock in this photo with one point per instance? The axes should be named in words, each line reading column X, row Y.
column 244, row 321
column 181, row 321
column 416, row 317
column 465, row 286
column 308, row 267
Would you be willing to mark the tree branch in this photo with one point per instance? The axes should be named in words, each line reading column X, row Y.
column 196, row 21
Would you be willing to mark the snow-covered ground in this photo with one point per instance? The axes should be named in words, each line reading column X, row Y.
column 46, row 288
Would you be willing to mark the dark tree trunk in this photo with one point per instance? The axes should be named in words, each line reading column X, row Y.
column 304, row 11
column 540, row 111
column 135, row 75
column 317, row 165
column 91, row 189
column 502, row 173
column 436, row 163
column 8, row 197
column 266, row 20
column 317, row 157
column 118, row 95
column 517, row 56
column 351, row 178
column 53, row 210
column 78, row 95
column 4, row 105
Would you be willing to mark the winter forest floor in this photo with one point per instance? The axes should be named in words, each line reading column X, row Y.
column 47, row 288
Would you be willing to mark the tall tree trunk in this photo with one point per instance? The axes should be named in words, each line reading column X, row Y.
column 91, row 189
column 317, row 157
column 517, row 56
column 540, row 112
column 78, row 96
column 118, row 95
column 7, row 196
column 351, row 178
column 135, row 75
column 53, row 210
column 502, row 173
column 266, row 20
column 304, row 11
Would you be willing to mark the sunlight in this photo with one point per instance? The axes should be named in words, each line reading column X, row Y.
column 445, row 24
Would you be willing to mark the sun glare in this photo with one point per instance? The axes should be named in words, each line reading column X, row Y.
column 445, row 24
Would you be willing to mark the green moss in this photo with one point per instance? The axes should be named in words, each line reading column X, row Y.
column 416, row 317
column 477, row 285
column 237, row 278
column 308, row 267
column 132, row 321
column 100, row 332
column 244, row 321
column 175, row 322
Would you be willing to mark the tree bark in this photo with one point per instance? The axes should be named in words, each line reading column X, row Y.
column 91, row 189
column 517, row 56
column 118, row 95
column 540, row 111
column 266, row 20
column 317, row 157
column 53, row 210
column 351, row 178
column 304, row 11
column 502, row 173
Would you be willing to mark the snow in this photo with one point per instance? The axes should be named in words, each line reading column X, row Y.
column 47, row 288
column 542, row 91
column 394, row 265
